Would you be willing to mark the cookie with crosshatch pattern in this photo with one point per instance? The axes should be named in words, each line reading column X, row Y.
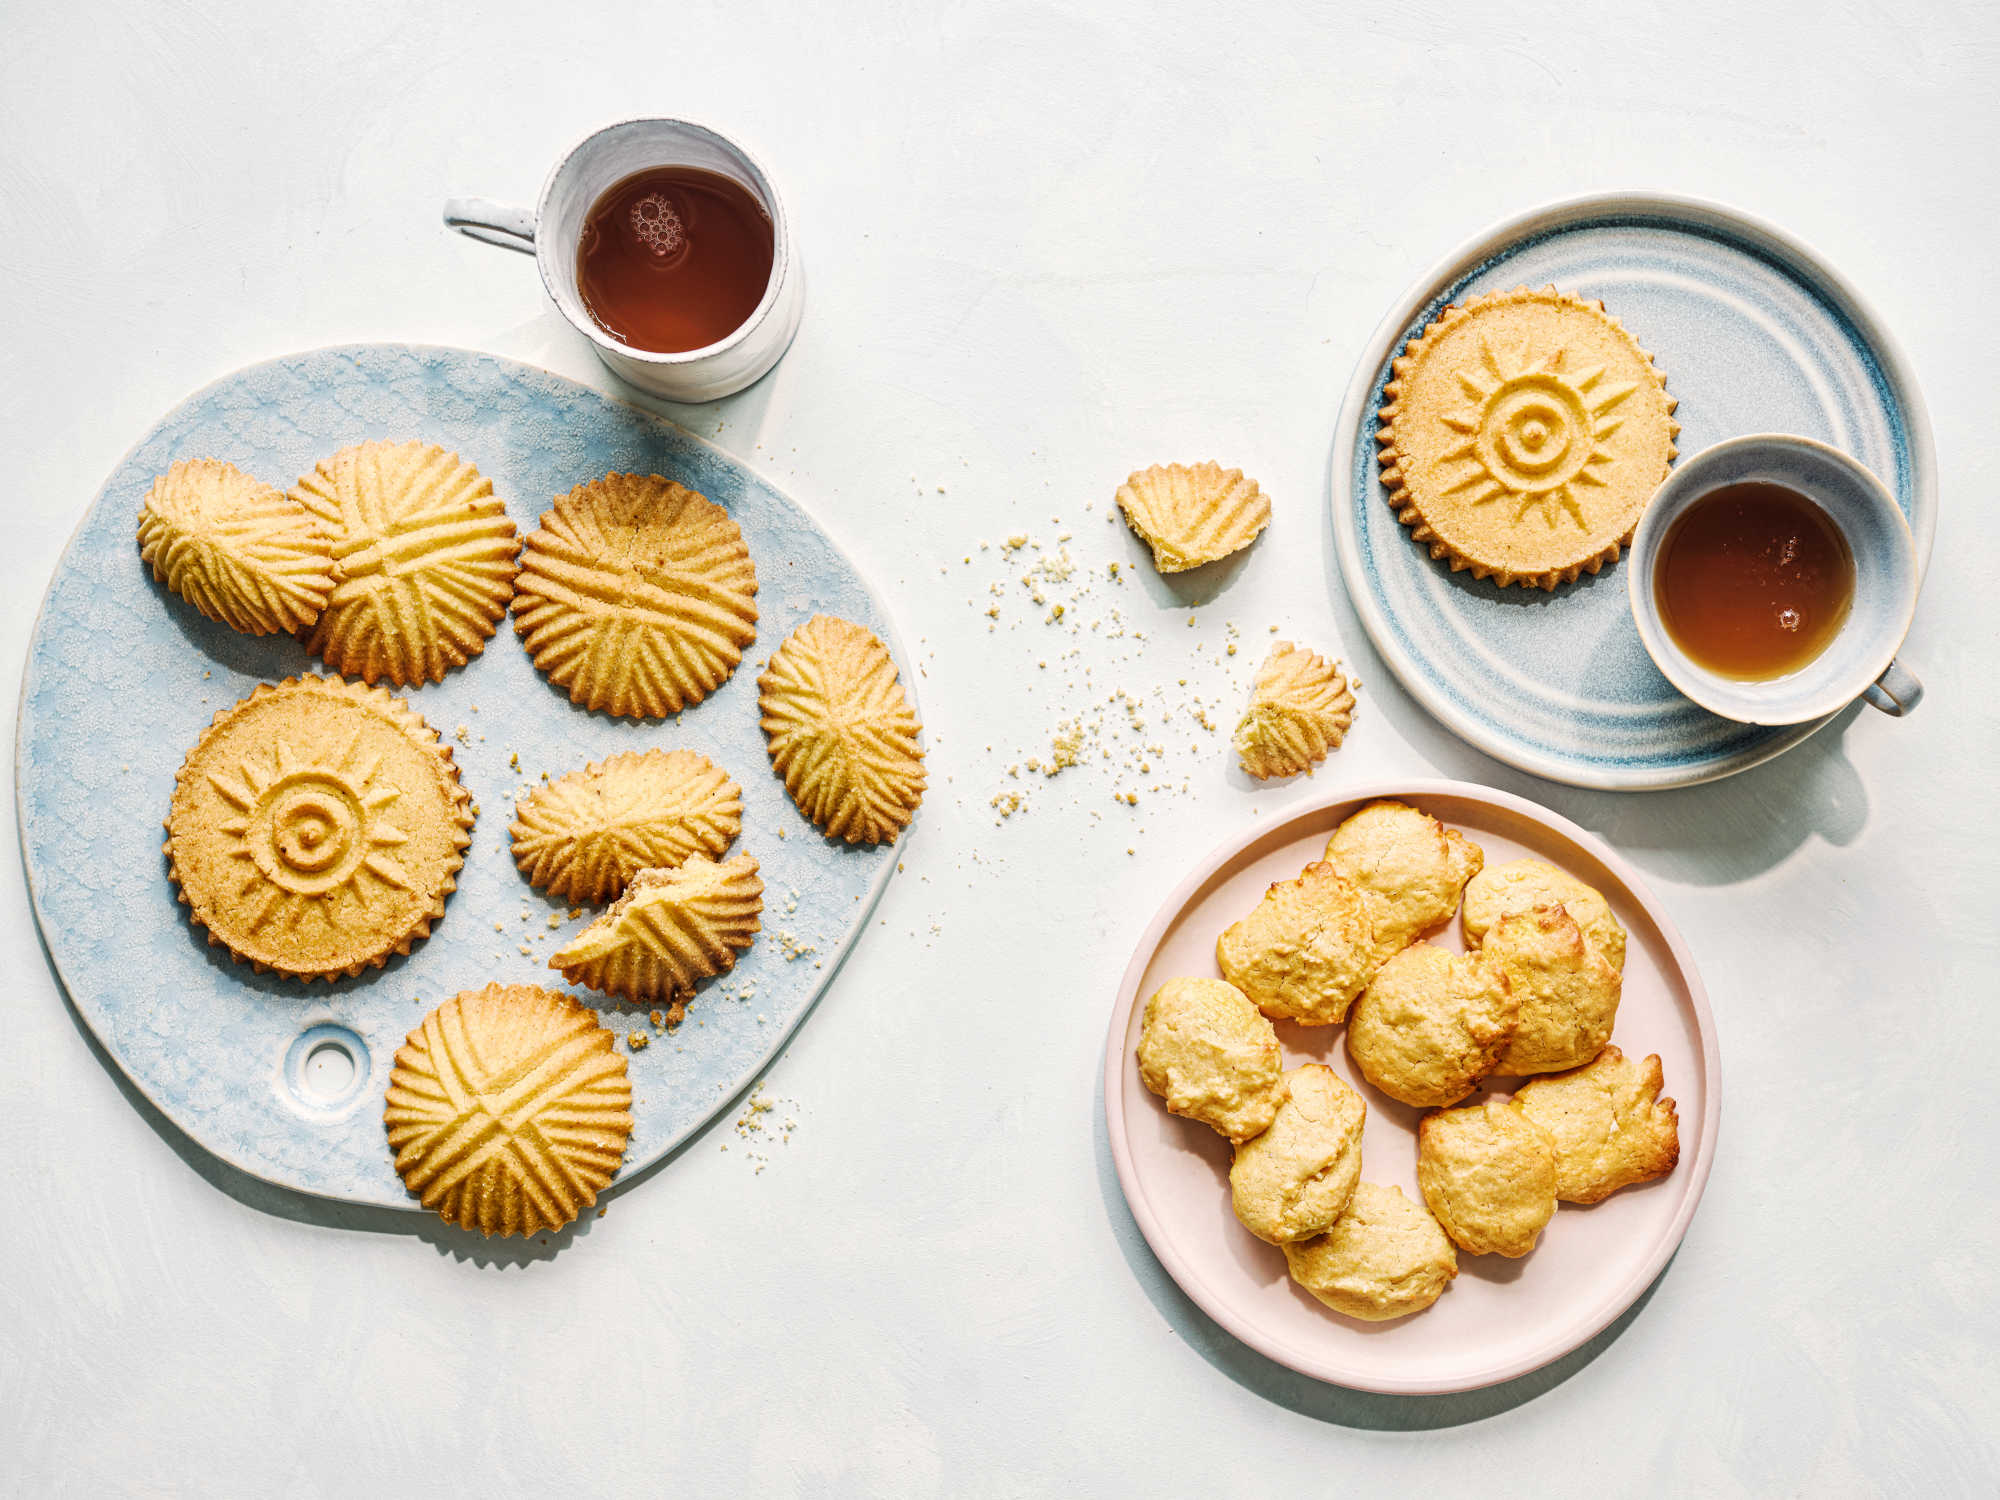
column 584, row 836
column 317, row 827
column 508, row 1109
column 840, row 731
column 637, row 596
column 425, row 558
column 668, row 932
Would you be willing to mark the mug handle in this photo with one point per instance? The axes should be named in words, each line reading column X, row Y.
column 1896, row 691
column 492, row 223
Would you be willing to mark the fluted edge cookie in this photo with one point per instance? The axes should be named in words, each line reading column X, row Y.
column 1384, row 1258
column 317, row 827
column 1191, row 514
column 668, row 932
column 1488, row 1173
column 1609, row 1126
column 1212, row 1056
column 582, row 837
column 840, row 731
column 1294, row 1180
column 1522, row 434
column 508, row 1109
column 637, row 596
column 425, row 553
column 1300, row 709
column 242, row 552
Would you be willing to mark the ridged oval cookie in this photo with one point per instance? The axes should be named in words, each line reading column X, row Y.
column 508, row 1109
column 584, row 836
column 840, row 731
column 317, row 827
column 426, row 558
column 1300, row 709
column 668, row 932
column 1191, row 514
column 1523, row 433
column 637, row 596
column 241, row 551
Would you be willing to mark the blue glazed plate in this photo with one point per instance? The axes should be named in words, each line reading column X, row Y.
column 122, row 677
column 1754, row 334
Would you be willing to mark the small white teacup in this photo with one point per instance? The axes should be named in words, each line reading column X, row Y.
column 550, row 231
column 1861, row 658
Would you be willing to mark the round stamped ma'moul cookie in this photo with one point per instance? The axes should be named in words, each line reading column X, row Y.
column 317, row 827
column 1523, row 434
column 425, row 556
column 637, row 596
column 508, row 1109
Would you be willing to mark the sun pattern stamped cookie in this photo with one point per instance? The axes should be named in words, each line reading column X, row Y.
column 584, row 836
column 241, row 551
column 508, row 1109
column 668, row 932
column 1191, row 514
column 426, row 561
column 1300, row 709
column 317, row 827
column 840, row 731
column 1523, row 433
column 637, row 596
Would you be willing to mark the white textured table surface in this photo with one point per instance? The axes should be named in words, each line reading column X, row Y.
column 1043, row 249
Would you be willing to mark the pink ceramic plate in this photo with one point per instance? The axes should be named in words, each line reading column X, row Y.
column 1500, row 1318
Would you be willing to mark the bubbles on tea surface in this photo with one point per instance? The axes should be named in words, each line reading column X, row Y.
column 1790, row 619
column 658, row 225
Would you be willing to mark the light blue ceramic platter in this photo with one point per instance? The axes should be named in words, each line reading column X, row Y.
column 122, row 677
column 1754, row 333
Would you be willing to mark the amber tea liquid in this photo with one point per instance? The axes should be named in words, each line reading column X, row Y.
column 1753, row 581
column 674, row 258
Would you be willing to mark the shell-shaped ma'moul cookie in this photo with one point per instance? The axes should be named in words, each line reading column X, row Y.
column 637, row 596
column 317, row 827
column 840, row 731
column 1300, row 709
column 508, row 1109
column 239, row 550
column 426, row 561
column 584, row 836
column 1523, row 433
column 669, row 931
column 1191, row 514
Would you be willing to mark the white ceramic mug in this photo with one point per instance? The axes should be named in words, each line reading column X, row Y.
column 1860, row 661
column 551, row 229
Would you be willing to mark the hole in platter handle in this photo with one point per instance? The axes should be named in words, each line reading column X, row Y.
column 492, row 223
column 1896, row 691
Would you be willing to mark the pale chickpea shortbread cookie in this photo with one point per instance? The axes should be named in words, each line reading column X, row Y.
column 1384, row 1258
column 1431, row 1025
column 1191, row 514
column 841, row 732
column 1409, row 866
column 1294, row 1181
column 425, row 561
column 584, row 836
column 668, row 932
column 1489, row 1174
column 508, row 1109
column 1524, row 884
column 1609, row 1125
column 1300, row 709
column 1523, row 434
column 1212, row 1056
column 1304, row 951
column 241, row 551
column 1568, row 994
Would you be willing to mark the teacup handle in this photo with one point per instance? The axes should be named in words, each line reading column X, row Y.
column 1896, row 691
column 492, row 223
